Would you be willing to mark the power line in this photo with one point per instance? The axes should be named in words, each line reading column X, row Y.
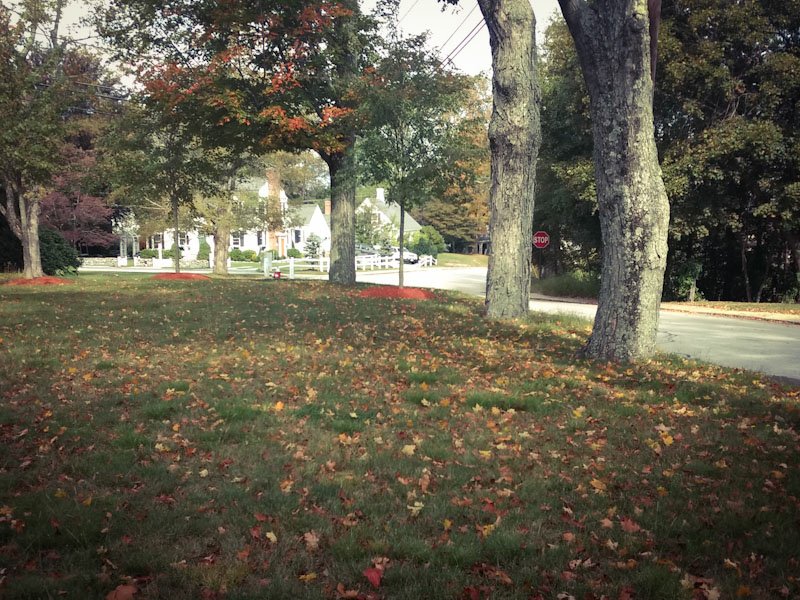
column 464, row 42
column 460, row 25
column 400, row 20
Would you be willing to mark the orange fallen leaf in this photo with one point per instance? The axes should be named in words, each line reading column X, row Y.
column 122, row 592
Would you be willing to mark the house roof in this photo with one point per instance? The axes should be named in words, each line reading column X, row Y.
column 392, row 212
column 304, row 213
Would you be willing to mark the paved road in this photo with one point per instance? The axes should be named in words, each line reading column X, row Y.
column 772, row 348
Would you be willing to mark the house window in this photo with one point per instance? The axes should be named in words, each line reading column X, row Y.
column 260, row 238
column 237, row 239
column 297, row 234
column 157, row 241
column 183, row 239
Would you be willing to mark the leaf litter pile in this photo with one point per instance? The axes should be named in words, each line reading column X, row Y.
column 259, row 439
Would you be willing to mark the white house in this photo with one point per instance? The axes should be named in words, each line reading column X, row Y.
column 388, row 213
column 299, row 223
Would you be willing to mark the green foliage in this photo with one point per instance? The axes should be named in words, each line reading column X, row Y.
column 576, row 284
column 371, row 231
column 313, row 246
column 240, row 255
column 148, row 253
column 294, row 253
column 726, row 97
column 58, row 256
column 427, row 241
column 205, row 249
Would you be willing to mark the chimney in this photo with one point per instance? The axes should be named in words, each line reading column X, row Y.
column 327, row 207
column 379, row 195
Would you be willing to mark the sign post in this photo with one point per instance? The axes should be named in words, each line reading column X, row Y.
column 541, row 240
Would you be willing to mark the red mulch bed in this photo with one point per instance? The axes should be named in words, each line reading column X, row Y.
column 390, row 291
column 39, row 281
column 180, row 276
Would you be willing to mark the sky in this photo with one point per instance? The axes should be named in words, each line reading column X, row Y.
column 451, row 30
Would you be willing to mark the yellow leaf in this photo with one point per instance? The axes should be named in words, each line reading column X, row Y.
column 578, row 412
column 270, row 535
column 424, row 386
column 667, row 439
column 448, row 524
column 203, row 473
column 279, row 406
column 60, row 493
column 409, row 449
column 308, row 577
column 598, row 485
column 87, row 501
column 415, row 508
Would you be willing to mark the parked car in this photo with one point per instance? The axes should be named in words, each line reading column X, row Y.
column 365, row 249
column 409, row 257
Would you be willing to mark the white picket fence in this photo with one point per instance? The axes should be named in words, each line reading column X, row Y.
column 323, row 264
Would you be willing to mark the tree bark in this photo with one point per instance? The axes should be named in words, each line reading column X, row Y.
column 400, row 247
column 614, row 46
column 22, row 214
column 176, row 249
column 222, row 233
column 514, row 139
column 343, row 216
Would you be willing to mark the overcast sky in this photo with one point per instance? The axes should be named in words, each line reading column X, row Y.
column 451, row 27
column 451, row 30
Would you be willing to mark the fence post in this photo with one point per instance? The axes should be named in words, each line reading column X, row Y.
column 267, row 263
column 291, row 267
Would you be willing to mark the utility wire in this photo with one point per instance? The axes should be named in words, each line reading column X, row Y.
column 460, row 25
column 400, row 20
column 464, row 42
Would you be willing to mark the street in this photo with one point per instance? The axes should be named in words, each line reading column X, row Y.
column 771, row 348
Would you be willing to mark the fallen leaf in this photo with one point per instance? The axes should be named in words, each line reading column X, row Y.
column 629, row 525
column 409, row 449
column 311, row 539
column 122, row 592
column 374, row 576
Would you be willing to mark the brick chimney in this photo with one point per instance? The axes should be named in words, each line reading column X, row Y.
column 327, row 207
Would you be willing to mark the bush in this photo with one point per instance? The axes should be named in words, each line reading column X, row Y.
column 167, row 253
column 204, row 253
column 577, row 284
column 58, row 257
column 313, row 244
column 148, row 253
column 250, row 255
column 427, row 241
column 236, row 254
column 294, row 253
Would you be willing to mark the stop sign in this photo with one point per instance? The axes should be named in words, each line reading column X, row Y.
column 541, row 239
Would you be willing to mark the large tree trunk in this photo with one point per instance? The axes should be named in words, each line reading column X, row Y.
column 343, row 216
column 22, row 214
column 222, row 234
column 613, row 39
column 514, row 138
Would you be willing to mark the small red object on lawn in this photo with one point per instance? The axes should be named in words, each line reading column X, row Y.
column 276, row 274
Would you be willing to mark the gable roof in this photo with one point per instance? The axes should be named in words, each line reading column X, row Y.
column 392, row 212
column 304, row 213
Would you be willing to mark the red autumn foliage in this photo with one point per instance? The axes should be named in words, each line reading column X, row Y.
column 180, row 276
column 39, row 281
column 388, row 291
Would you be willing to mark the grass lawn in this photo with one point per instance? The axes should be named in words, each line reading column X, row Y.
column 244, row 438
column 446, row 259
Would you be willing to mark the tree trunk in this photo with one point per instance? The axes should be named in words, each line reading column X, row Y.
column 343, row 216
column 402, row 234
column 22, row 214
column 222, row 233
column 613, row 40
column 176, row 249
column 745, row 274
column 514, row 138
